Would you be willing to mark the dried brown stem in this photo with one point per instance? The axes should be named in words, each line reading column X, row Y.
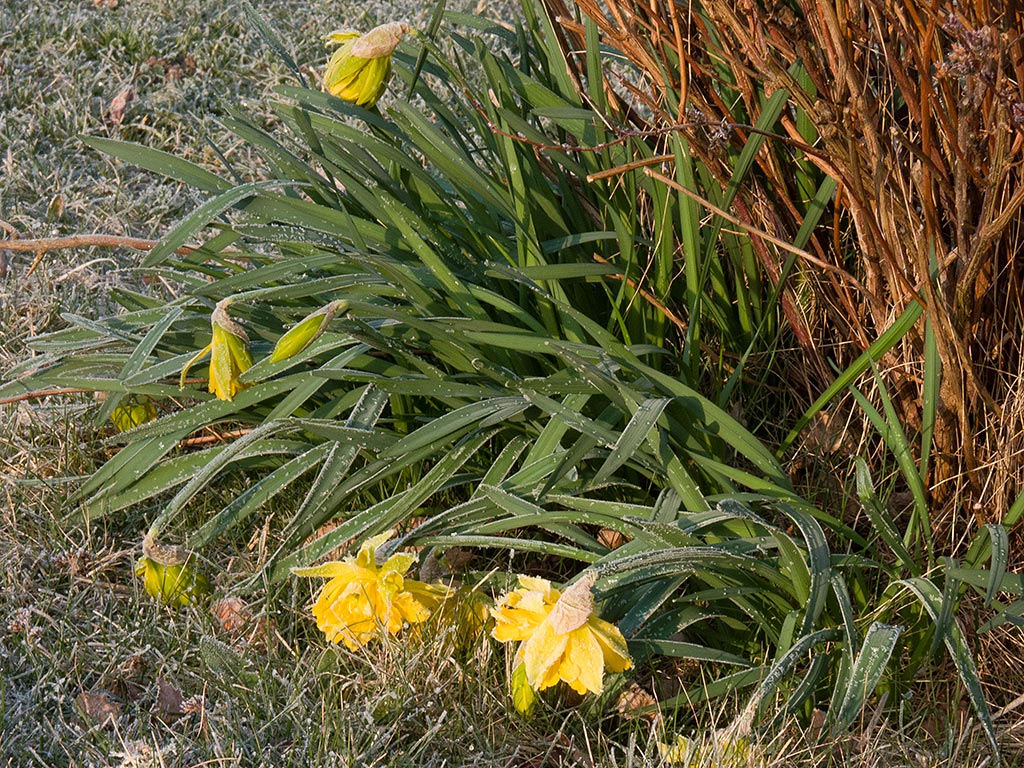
column 42, row 245
column 45, row 393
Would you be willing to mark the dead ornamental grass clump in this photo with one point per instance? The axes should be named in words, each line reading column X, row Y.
column 916, row 110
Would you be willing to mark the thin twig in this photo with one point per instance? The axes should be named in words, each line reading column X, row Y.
column 215, row 438
column 83, row 241
column 650, row 297
column 622, row 135
column 44, row 393
column 43, row 245
column 757, row 232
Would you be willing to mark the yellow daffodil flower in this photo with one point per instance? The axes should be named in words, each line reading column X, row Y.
column 364, row 600
column 560, row 637
column 229, row 354
column 360, row 68
column 167, row 576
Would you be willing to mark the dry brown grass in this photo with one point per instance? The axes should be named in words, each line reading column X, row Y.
column 916, row 109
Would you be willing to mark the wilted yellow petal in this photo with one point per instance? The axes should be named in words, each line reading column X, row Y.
column 583, row 665
column 364, row 600
column 542, row 655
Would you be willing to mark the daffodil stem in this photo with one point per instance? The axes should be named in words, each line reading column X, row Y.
column 432, row 27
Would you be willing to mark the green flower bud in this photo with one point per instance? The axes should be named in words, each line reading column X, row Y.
column 306, row 331
column 166, row 575
column 360, row 68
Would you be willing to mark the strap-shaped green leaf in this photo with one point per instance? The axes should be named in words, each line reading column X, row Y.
column 165, row 164
column 875, row 652
column 205, row 214
column 960, row 653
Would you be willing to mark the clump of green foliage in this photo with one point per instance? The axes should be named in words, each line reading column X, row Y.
column 501, row 379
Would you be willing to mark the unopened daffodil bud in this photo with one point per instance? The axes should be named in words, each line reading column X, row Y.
column 229, row 354
column 360, row 68
column 133, row 414
column 306, row 331
column 167, row 576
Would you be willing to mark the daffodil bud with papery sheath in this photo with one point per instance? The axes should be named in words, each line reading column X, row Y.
column 306, row 331
column 167, row 575
column 360, row 68
column 229, row 354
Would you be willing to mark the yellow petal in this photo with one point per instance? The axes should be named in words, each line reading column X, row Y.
column 367, row 556
column 583, row 665
column 341, row 36
column 398, row 563
column 543, row 586
column 542, row 654
column 613, row 645
column 327, row 569
column 195, row 359
column 511, row 622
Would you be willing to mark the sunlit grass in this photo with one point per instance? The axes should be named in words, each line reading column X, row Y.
column 75, row 623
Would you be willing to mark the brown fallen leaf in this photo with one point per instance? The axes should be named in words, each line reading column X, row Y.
column 635, row 702
column 99, row 707
column 232, row 614
column 193, row 704
column 105, row 3
column 236, row 619
column 174, row 67
column 606, row 537
column 169, row 701
column 119, row 104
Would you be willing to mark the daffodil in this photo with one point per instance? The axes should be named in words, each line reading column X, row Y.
column 133, row 413
column 167, row 575
column 360, row 68
column 364, row 600
column 229, row 354
column 559, row 636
